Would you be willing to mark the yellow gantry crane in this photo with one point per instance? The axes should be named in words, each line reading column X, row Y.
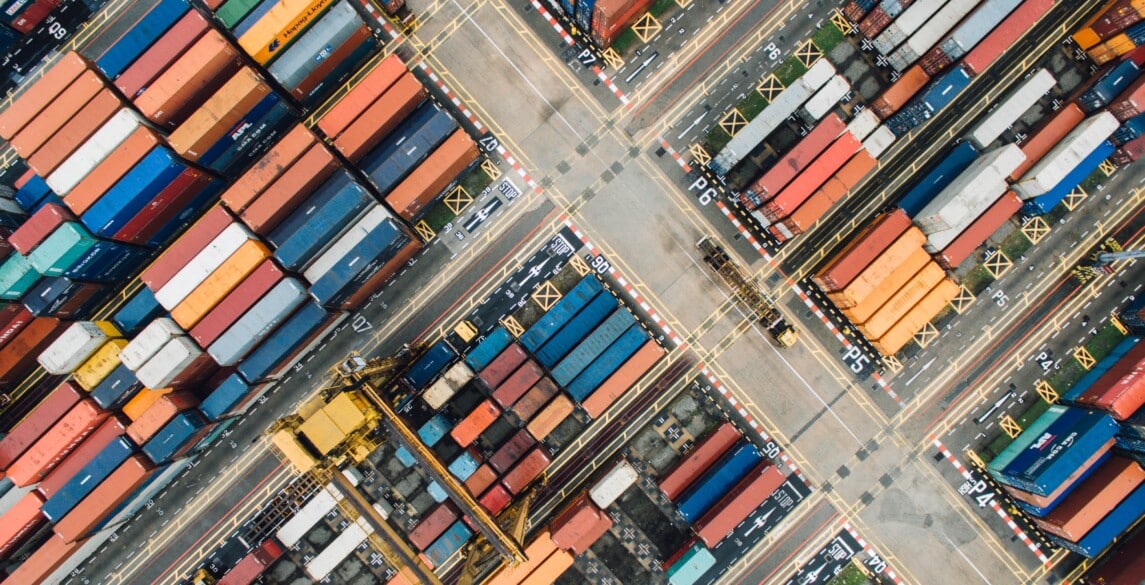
column 748, row 291
column 1100, row 262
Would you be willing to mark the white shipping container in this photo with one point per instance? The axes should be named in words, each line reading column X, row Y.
column 308, row 516
column 167, row 363
column 761, row 218
column 149, row 341
column 893, row 8
column 604, row 492
column 258, row 322
column 772, row 116
column 971, row 192
column 879, row 141
column 446, row 386
column 1020, row 99
column 909, row 21
column 345, row 244
column 92, row 152
column 930, row 33
column 341, row 547
column 1059, row 161
column 826, row 98
column 863, row 124
column 202, row 265
column 77, row 343
column 313, row 46
column 977, row 26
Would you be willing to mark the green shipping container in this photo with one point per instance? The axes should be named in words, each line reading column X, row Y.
column 234, row 11
column 16, row 277
column 62, row 249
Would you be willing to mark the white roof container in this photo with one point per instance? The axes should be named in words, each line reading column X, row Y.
column 863, row 124
column 149, row 341
column 202, row 265
column 614, row 483
column 971, row 192
column 345, row 244
column 976, row 26
column 879, row 141
column 77, row 343
column 341, row 547
column 909, row 21
column 310, row 514
column 930, row 33
column 446, row 386
column 262, row 318
column 827, row 97
column 1009, row 110
column 1059, row 161
column 97, row 148
column 167, row 363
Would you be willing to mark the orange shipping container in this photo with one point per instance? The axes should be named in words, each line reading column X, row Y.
column 20, row 521
column 159, row 414
column 862, row 249
column 411, row 196
column 100, row 365
column 41, row 93
column 29, row 139
column 381, row 117
column 475, row 423
column 1084, row 507
column 1048, row 134
column 535, row 553
column 362, row 94
column 623, row 379
column 220, row 283
column 215, row 118
column 42, row 563
column 111, row 169
column 111, row 492
column 290, row 189
column 866, row 307
column 481, row 480
column 189, row 81
column 1086, row 38
column 143, row 400
column 18, row 358
column 906, row 297
column 268, row 168
column 830, row 193
column 551, row 417
column 901, row 334
column 879, row 270
column 56, row 443
column 73, row 134
column 549, row 570
column 900, row 92
column 277, row 28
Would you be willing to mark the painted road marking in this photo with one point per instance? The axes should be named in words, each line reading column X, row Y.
column 876, row 561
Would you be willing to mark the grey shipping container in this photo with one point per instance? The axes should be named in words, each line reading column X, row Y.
column 258, row 322
column 302, row 58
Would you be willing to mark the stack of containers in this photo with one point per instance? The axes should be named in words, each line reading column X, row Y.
column 578, row 526
column 930, row 33
column 970, row 194
column 800, row 189
column 1105, row 35
column 969, row 33
column 771, row 182
column 1066, row 165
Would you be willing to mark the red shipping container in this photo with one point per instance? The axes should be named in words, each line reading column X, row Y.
column 504, row 364
column 742, row 500
column 579, row 525
column 770, row 183
column 364, row 93
column 1124, row 565
column 111, row 169
column 110, row 493
column 511, row 451
column 254, row 564
column 1047, row 135
column 1101, row 492
column 518, row 383
column 381, row 117
column 160, row 414
column 1005, row 35
column 1130, row 102
column 184, row 249
column 189, row 81
column 702, row 456
column 1130, row 151
column 979, row 231
column 609, row 20
column 75, row 132
column 813, row 177
column 42, row 563
column 422, row 186
column 94, row 443
column 41, row 93
column 1121, row 391
column 529, row 468
column 389, row 270
column 56, row 114
column 268, row 168
column 20, row 521
column 433, row 524
column 535, row 399
column 290, row 189
column 480, row 480
column 899, row 93
column 28, row 174
column 190, row 28
column 864, row 248
column 169, row 204
column 33, row 15
column 495, row 499
column 18, row 357
column 13, row 318
column 475, row 423
column 39, row 226
column 83, row 419
column 874, row 23
column 236, row 303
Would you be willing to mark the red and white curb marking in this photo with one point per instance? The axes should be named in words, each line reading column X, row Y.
column 746, row 234
column 675, row 155
column 870, row 551
column 628, row 288
column 965, row 473
column 567, row 38
column 747, row 417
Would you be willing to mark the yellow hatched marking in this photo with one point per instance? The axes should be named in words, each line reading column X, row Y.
column 424, row 231
column 490, row 169
column 1084, row 357
column 647, row 27
column 1036, row 229
column 546, row 295
column 733, row 122
column 998, row 264
column 458, row 199
column 1046, row 391
column 926, row 336
column 1009, row 426
column 512, row 326
column 962, row 301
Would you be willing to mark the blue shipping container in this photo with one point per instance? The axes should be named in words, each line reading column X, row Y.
column 488, row 349
column 1098, row 370
column 998, row 464
column 405, row 457
column 137, row 312
column 228, row 394
column 1040, row 436
column 223, row 145
column 959, row 159
column 715, row 482
column 433, row 430
column 405, row 147
column 1112, row 526
column 1061, row 455
column 108, row 262
column 594, row 345
column 1044, row 203
column 174, row 436
column 1042, row 511
column 691, row 566
column 355, row 268
column 608, row 362
column 430, row 365
column 1133, row 316
column 313, row 205
column 584, row 14
column 251, row 139
column 436, row 492
column 1111, row 83
column 190, row 212
column 253, row 17
column 447, row 544
column 560, row 313
column 1130, row 129
column 116, row 389
column 325, row 222
column 577, row 329
column 569, row 8
column 33, row 194
column 937, row 96
column 87, row 478
column 290, row 336
column 463, row 466
column 133, row 192
column 49, row 295
column 140, row 36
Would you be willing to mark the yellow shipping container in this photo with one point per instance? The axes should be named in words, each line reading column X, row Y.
column 1086, row 38
column 903, row 332
column 288, row 445
column 108, row 328
column 536, row 553
column 908, row 296
column 347, row 410
column 1121, row 44
column 880, row 269
column 274, row 31
column 867, row 306
column 220, row 283
column 321, row 431
column 99, row 365
column 142, row 401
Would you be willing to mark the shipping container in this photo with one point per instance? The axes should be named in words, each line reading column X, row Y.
column 691, row 566
column 495, row 499
column 559, row 314
column 412, row 197
column 972, row 192
column 138, row 37
column 1113, row 525
column 500, row 368
column 112, row 169
column 1044, row 203
column 900, row 92
column 179, row 363
column 366, row 251
column 1060, row 160
column 290, row 189
column 87, row 479
column 100, row 365
column 434, row 429
column 149, row 341
column 1119, row 390
column 75, row 345
column 307, row 327
column 579, row 525
column 39, row 225
column 463, row 466
column 1093, row 499
column 229, row 397
column 608, row 362
column 519, row 382
column 508, row 454
column 324, row 563
column 281, row 25
column 56, row 443
column 613, row 484
column 116, row 389
column 55, row 114
column 254, row 564
column 38, row 95
column 20, row 522
column 480, row 480
column 430, row 364
column 770, row 183
column 17, row 277
column 1039, row 506
column 1133, row 315
column 906, row 297
column 258, row 322
column 846, row 264
column 551, row 568
column 319, row 221
column 101, row 144
column 939, row 94
column 19, row 356
column 457, row 376
column 739, row 503
column 161, row 54
column 159, row 414
column 610, row 18
column 550, row 417
column 236, row 303
column 1106, row 87
column 36, row 423
column 707, row 450
column 824, row 100
column 530, row 467
column 189, row 81
column 447, row 544
column 710, row 487
column 382, row 117
column 820, row 202
column 319, row 505
column 77, row 129
column 906, row 23
column 930, row 33
column 965, row 243
column 176, row 438
column 330, row 30
column 205, row 261
column 903, row 250
column 576, row 329
column 430, row 527
column 475, row 423
column 337, row 66
column 813, row 177
column 623, row 379
column 1046, row 135
column 591, row 347
column 202, row 136
column 1124, row 565
column 361, row 95
column 248, row 187
column 535, row 399
column 1021, row 98
column 1005, row 35
column 903, row 332
column 975, row 27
